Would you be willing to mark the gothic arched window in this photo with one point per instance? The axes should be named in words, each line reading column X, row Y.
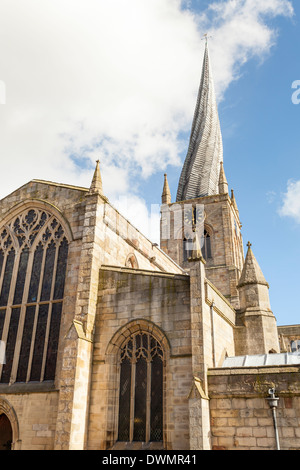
column 131, row 261
column 141, row 390
column 295, row 345
column 187, row 248
column 33, row 258
column 206, row 246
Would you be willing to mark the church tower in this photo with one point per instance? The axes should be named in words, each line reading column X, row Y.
column 203, row 203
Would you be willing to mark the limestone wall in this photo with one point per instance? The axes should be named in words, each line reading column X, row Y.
column 222, row 324
column 128, row 301
column 33, row 418
column 241, row 418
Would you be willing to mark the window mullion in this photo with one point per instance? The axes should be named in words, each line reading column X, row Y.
column 10, row 300
column 22, row 317
column 3, row 268
column 36, row 315
column 148, row 400
column 49, row 315
column 132, row 395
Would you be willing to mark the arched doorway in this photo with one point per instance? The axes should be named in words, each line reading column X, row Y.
column 6, row 434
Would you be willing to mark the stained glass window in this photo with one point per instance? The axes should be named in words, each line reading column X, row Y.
column 33, row 260
column 141, row 390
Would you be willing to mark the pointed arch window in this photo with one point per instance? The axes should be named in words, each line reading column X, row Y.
column 33, row 258
column 187, row 248
column 141, row 390
column 206, row 245
column 131, row 261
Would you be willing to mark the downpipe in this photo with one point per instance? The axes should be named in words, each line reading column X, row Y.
column 273, row 403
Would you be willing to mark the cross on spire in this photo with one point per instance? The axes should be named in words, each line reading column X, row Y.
column 206, row 38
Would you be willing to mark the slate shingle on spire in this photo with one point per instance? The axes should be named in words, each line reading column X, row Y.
column 201, row 169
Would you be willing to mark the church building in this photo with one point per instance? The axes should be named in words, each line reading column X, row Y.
column 111, row 342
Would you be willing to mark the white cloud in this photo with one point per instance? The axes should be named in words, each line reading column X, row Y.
column 145, row 219
column 291, row 201
column 115, row 80
column 241, row 30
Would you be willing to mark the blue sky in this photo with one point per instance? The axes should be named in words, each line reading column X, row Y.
column 89, row 79
column 260, row 127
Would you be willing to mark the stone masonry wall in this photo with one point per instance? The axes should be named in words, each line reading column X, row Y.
column 36, row 415
column 154, row 302
column 241, row 418
column 223, row 269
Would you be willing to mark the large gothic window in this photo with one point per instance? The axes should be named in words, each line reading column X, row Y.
column 33, row 257
column 141, row 390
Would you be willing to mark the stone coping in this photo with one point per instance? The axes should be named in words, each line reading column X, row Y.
column 30, row 387
column 283, row 368
column 144, row 272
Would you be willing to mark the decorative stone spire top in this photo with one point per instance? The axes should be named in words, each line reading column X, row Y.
column 166, row 194
column 223, row 185
column 96, row 186
column 200, row 173
column 233, row 200
column 251, row 274
column 196, row 254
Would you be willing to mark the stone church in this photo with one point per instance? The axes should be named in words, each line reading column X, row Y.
column 109, row 341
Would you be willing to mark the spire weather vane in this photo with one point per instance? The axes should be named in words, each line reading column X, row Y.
column 206, row 38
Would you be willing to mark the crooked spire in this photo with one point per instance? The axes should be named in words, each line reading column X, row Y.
column 200, row 173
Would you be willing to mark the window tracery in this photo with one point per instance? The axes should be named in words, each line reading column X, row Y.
column 141, row 390
column 205, row 246
column 33, row 257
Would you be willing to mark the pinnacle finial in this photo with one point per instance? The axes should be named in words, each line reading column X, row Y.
column 166, row 194
column 196, row 254
column 233, row 200
column 251, row 273
column 96, row 186
column 223, row 185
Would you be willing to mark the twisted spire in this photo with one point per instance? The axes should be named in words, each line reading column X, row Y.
column 201, row 169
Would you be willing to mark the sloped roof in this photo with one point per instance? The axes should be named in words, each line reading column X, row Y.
column 263, row 360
